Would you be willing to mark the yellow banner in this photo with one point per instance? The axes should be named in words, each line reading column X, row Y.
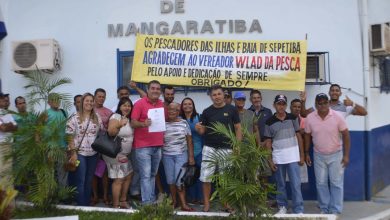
column 258, row 64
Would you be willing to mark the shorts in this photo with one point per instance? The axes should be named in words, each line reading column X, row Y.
column 172, row 165
column 207, row 168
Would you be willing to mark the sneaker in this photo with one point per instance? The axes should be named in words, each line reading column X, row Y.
column 135, row 204
column 282, row 210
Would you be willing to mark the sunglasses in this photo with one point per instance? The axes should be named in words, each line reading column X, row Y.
column 322, row 103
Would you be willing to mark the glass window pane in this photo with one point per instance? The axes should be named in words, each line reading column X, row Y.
column 125, row 70
column 127, row 65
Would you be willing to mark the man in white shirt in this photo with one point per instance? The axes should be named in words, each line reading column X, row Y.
column 7, row 126
column 345, row 108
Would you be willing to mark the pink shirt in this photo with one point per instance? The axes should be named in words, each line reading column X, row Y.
column 301, row 122
column 104, row 114
column 325, row 132
column 142, row 136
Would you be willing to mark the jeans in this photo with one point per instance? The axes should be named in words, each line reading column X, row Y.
column 61, row 175
column 293, row 171
column 83, row 178
column 148, row 160
column 172, row 166
column 328, row 168
column 134, row 186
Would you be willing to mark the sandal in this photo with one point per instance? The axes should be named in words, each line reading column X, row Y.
column 94, row 201
column 107, row 202
column 124, row 205
column 229, row 210
column 206, row 208
column 115, row 206
column 187, row 209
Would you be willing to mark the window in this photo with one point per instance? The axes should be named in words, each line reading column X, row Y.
column 385, row 75
column 317, row 68
column 125, row 66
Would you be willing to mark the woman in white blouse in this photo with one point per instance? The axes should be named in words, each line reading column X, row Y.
column 82, row 129
column 120, row 168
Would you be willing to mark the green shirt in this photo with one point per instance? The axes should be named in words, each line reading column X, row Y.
column 57, row 119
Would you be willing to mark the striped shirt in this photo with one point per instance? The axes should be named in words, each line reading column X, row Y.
column 285, row 148
column 175, row 141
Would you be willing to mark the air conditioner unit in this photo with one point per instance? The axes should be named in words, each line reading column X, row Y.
column 380, row 39
column 43, row 54
column 315, row 68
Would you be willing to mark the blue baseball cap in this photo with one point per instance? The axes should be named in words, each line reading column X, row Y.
column 239, row 95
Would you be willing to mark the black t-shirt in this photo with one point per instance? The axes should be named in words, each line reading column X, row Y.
column 227, row 115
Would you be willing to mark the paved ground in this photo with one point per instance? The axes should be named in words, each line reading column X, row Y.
column 378, row 208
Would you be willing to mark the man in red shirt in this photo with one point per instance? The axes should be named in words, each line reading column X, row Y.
column 147, row 145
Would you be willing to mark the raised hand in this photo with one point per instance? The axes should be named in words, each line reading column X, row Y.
column 348, row 101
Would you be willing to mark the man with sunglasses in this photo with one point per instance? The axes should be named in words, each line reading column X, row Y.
column 324, row 126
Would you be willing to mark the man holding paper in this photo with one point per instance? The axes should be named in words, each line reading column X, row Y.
column 148, row 121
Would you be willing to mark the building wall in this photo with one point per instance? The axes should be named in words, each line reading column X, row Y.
column 89, row 55
column 378, row 147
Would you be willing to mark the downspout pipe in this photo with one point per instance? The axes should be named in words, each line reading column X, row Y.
column 366, row 85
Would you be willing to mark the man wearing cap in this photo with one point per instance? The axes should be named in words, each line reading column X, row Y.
column 283, row 139
column 324, row 126
column 247, row 118
column 345, row 108
column 7, row 125
column 227, row 96
column 7, row 122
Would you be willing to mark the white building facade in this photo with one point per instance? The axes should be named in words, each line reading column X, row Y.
column 97, row 41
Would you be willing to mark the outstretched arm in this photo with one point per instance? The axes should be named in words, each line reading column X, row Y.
column 134, row 86
column 357, row 109
column 304, row 111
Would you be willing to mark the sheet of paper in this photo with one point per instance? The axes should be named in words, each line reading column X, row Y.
column 158, row 119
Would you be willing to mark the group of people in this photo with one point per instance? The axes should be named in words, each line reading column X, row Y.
column 187, row 138
column 289, row 136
